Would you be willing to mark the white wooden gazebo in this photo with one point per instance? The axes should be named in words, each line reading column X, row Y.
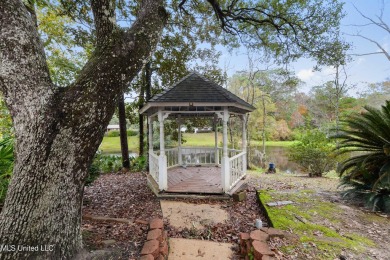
column 221, row 168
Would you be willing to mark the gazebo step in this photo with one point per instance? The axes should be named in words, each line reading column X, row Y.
column 166, row 195
column 241, row 185
column 152, row 184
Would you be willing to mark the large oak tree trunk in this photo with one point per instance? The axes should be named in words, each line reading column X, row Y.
column 59, row 130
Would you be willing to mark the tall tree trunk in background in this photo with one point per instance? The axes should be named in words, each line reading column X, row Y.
column 58, row 130
column 341, row 88
column 230, row 122
column 141, row 121
column 148, row 96
column 145, row 93
column 123, row 132
column 248, row 138
column 263, row 134
column 148, row 77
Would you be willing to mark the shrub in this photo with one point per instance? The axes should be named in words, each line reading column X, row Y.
column 3, row 188
column 138, row 163
column 116, row 133
column 6, row 165
column 93, row 170
column 112, row 133
column 366, row 138
column 109, row 163
column 131, row 132
column 314, row 153
column 103, row 164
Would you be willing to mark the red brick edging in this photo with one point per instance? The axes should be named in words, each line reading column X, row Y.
column 156, row 246
column 255, row 243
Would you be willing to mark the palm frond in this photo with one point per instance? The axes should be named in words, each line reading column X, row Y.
column 367, row 170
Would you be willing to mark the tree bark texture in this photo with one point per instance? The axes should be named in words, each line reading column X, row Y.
column 123, row 132
column 58, row 130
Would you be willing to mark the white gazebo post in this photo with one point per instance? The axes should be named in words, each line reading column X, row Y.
column 162, row 159
column 150, row 130
column 225, row 157
column 244, row 142
column 180, row 159
column 216, row 155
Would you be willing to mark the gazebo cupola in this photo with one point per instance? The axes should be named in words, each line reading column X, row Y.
column 196, row 96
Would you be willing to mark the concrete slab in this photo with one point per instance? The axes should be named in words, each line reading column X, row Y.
column 189, row 215
column 279, row 203
column 192, row 249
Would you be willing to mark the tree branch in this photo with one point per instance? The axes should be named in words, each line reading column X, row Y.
column 383, row 50
column 91, row 100
column 380, row 24
column 31, row 9
column 367, row 54
column 23, row 70
column 181, row 6
column 104, row 18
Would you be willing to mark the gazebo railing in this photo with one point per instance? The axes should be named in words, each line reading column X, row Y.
column 198, row 155
column 237, row 169
column 195, row 155
column 233, row 152
column 172, row 157
column 236, row 162
column 153, row 166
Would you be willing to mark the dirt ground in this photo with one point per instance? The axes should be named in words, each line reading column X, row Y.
column 181, row 249
column 188, row 215
column 349, row 219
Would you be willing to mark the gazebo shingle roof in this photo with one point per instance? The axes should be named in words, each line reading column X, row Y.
column 196, row 88
column 196, row 93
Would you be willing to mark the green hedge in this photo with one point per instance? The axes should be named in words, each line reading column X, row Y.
column 131, row 132
column 116, row 133
column 112, row 133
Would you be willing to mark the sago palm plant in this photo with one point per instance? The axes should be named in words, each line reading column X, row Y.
column 366, row 137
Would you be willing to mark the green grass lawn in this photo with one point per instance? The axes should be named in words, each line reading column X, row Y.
column 201, row 139
column 112, row 144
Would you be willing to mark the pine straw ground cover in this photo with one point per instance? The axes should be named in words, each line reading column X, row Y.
column 123, row 196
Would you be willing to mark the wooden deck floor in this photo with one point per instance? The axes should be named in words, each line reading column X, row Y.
column 195, row 180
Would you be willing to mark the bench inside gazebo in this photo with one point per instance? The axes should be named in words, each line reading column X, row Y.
column 200, row 170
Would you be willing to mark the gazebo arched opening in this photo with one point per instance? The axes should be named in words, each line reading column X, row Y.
column 221, row 168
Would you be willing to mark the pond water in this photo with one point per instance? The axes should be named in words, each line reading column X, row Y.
column 274, row 154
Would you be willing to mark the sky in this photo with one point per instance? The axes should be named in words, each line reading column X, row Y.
column 361, row 70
